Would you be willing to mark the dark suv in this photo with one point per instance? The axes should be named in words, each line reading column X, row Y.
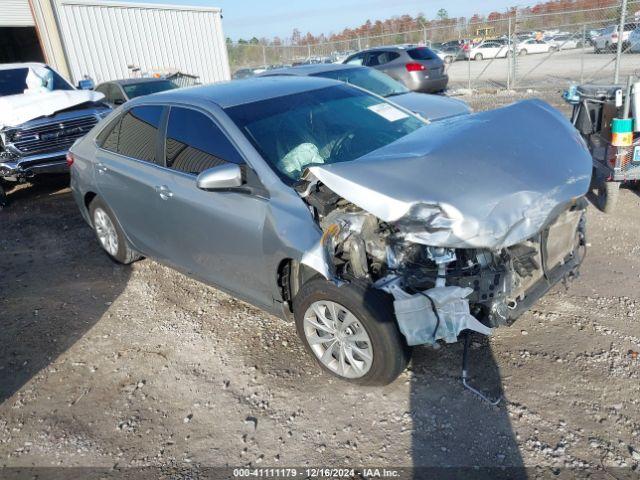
column 419, row 68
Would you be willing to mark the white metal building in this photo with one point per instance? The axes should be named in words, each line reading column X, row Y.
column 110, row 40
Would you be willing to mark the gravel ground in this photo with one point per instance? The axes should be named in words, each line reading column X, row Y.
column 103, row 365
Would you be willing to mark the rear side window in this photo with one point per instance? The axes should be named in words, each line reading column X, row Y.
column 380, row 58
column 422, row 53
column 108, row 137
column 195, row 143
column 139, row 133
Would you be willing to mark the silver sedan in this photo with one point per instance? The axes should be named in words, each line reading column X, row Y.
column 372, row 228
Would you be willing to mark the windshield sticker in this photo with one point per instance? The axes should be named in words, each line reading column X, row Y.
column 388, row 112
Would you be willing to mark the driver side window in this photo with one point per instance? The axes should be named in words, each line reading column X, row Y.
column 195, row 143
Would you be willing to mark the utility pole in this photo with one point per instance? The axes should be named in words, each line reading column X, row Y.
column 623, row 14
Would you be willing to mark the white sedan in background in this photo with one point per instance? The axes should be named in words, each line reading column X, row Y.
column 487, row 49
column 535, row 46
column 566, row 41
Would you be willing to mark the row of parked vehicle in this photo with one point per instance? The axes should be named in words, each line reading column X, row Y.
column 330, row 195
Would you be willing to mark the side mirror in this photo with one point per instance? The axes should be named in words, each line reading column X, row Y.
column 224, row 176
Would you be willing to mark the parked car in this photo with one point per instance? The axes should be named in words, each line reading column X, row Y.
column 634, row 41
column 243, row 73
column 428, row 106
column 607, row 41
column 371, row 228
column 566, row 41
column 446, row 57
column 487, row 49
column 117, row 92
column 41, row 115
column 418, row 68
column 535, row 46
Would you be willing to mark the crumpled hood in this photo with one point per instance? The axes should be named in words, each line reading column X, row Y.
column 431, row 107
column 486, row 180
column 18, row 109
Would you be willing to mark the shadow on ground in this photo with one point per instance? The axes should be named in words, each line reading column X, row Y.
column 485, row 446
column 55, row 283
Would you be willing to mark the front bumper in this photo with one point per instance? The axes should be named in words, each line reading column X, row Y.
column 27, row 167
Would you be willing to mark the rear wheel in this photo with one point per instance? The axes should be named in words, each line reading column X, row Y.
column 608, row 193
column 448, row 59
column 478, row 57
column 351, row 331
column 3, row 196
column 109, row 233
column 523, row 52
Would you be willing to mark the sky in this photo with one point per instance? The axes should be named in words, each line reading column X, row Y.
column 261, row 18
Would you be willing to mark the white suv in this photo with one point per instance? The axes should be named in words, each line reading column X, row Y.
column 608, row 39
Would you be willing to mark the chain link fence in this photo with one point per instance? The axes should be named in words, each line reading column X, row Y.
column 521, row 49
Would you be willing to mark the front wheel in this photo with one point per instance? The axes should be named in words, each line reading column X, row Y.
column 523, row 52
column 478, row 57
column 351, row 331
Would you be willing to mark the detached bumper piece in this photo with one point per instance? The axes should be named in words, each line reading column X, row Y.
column 439, row 313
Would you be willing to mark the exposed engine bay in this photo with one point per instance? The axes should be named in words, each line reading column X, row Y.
column 441, row 291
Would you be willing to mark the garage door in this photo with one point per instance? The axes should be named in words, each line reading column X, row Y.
column 15, row 13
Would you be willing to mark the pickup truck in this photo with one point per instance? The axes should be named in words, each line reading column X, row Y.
column 41, row 115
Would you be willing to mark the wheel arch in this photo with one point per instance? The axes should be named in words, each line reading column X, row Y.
column 290, row 276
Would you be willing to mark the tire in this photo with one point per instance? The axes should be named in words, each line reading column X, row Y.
column 608, row 193
column 121, row 252
column 4, row 202
column 373, row 312
column 553, row 49
column 478, row 57
column 522, row 52
column 448, row 59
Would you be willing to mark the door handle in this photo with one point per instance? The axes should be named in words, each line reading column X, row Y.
column 101, row 168
column 164, row 192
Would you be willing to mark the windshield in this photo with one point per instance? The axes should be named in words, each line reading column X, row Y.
column 134, row 90
column 369, row 79
column 329, row 125
column 16, row 81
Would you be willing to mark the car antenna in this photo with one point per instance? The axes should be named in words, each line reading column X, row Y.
column 465, row 358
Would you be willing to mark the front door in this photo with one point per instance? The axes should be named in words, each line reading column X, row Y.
column 215, row 236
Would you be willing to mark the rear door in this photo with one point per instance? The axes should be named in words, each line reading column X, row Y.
column 382, row 60
column 130, row 176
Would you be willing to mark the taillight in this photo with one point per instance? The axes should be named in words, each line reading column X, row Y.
column 614, row 36
column 70, row 159
column 415, row 67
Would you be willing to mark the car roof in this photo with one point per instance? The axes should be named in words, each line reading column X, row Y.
column 399, row 48
column 239, row 92
column 304, row 70
column 12, row 66
column 135, row 81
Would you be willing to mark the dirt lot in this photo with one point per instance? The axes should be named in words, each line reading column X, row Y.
column 105, row 365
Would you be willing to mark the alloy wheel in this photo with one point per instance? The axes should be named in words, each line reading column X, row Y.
column 106, row 231
column 338, row 339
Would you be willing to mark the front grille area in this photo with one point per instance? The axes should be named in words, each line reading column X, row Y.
column 52, row 137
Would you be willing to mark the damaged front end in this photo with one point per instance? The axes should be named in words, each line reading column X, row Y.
column 474, row 259
column 441, row 291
